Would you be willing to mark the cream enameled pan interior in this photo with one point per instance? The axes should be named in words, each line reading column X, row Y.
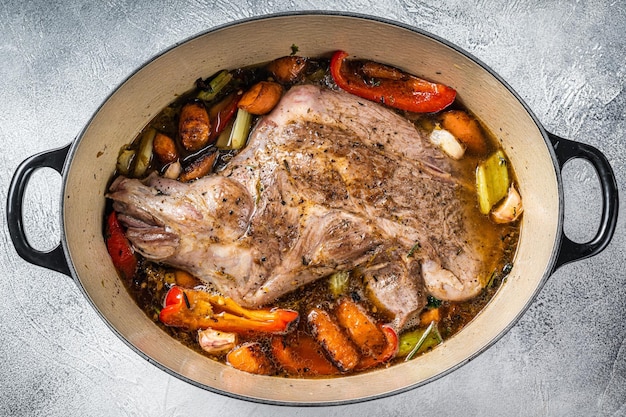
column 136, row 101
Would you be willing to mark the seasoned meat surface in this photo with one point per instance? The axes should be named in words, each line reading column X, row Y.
column 327, row 182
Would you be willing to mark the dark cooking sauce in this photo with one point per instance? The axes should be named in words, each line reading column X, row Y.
column 151, row 282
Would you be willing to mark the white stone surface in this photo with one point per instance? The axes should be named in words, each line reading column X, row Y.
column 565, row 357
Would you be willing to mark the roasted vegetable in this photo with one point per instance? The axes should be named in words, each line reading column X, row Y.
column 235, row 135
column 215, row 86
column 466, row 129
column 199, row 167
column 221, row 114
column 361, row 328
column 144, row 154
column 405, row 92
column 120, row 251
column 492, row 181
column 216, row 342
column 196, row 309
column 125, row 160
column 335, row 342
column 338, row 283
column 185, row 279
column 377, row 70
column 194, row 126
column 164, row 148
column 430, row 315
column 419, row 341
column 510, row 209
column 390, row 351
column 261, row 98
column 173, row 170
column 287, row 69
column 250, row 357
column 447, row 143
column 298, row 354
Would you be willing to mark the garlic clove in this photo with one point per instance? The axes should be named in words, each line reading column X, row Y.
column 510, row 209
column 173, row 170
column 216, row 342
column 447, row 143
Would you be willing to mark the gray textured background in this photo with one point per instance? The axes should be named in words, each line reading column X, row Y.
column 60, row 60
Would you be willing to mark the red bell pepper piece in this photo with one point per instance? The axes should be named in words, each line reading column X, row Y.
column 393, row 343
column 391, row 87
column 197, row 309
column 118, row 246
column 222, row 113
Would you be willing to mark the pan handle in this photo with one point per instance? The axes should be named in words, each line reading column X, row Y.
column 55, row 258
column 566, row 150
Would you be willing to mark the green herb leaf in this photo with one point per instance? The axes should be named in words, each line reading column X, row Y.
column 432, row 302
column 419, row 341
column 413, row 249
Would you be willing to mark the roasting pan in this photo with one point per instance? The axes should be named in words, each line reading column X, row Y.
column 87, row 163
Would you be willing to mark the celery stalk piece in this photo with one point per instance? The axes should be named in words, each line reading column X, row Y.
column 241, row 129
column 492, row 181
column 125, row 160
column 216, row 85
column 144, row 153
column 338, row 283
column 223, row 139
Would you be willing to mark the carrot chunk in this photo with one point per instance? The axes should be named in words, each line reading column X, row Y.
column 466, row 129
column 194, row 126
column 198, row 168
column 299, row 354
column 335, row 342
column 164, row 148
column 361, row 328
column 250, row 357
column 261, row 98
column 287, row 69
